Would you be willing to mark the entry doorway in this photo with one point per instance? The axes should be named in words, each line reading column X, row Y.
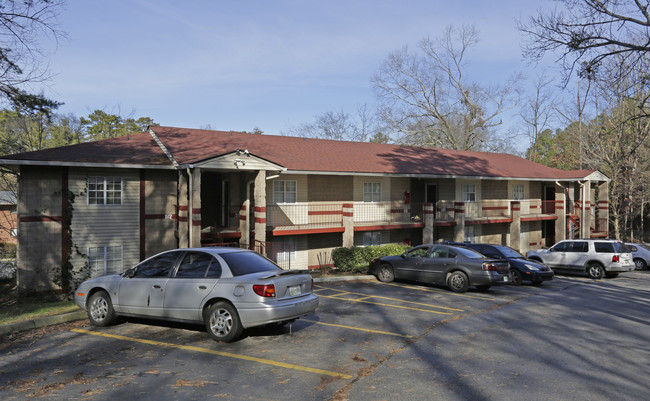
column 431, row 196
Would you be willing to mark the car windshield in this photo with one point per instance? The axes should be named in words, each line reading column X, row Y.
column 242, row 263
column 470, row 253
column 509, row 252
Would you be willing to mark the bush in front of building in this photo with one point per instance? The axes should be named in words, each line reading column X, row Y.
column 357, row 258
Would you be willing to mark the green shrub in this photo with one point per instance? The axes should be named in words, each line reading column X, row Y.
column 7, row 251
column 356, row 259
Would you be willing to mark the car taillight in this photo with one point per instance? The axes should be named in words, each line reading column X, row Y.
column 264, row 290
column 487, row 266
column 615, row 258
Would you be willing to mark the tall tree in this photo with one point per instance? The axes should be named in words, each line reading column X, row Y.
column 427, row 98
column 102, row 125
column 587, row 32
column 538, row 110
column 339, row 125
column 23, row 23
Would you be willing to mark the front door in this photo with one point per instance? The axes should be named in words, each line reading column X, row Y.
column 431, row 196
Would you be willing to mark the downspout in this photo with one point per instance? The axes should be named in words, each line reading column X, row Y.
column 189, row 209
column 248, row 212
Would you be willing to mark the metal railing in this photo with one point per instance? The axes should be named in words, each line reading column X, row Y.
column 387, row 212
column 305, row 213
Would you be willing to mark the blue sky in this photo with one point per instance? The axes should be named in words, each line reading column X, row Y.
column 237, row 65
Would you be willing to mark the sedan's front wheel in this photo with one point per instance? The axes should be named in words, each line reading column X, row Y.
column 515, row 277
column 458, row 282
column 222, row 322
column 100, row 309
column 386, row 273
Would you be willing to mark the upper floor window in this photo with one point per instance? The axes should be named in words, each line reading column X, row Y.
column 104, row 191
column 469, row 193
column 285, row 191
column 518, row 192
column 372, row 191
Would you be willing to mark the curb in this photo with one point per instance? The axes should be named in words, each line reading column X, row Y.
column 42, row 322
column 81, row 314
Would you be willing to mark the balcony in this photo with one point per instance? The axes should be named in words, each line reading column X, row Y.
column 396, row 213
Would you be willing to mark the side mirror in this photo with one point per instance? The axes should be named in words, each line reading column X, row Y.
column 403, row 255
column 130, row 273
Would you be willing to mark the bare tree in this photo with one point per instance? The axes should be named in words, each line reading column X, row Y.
column 538, row 111
column 587, row 32
column 339, row 125
column 427, row 99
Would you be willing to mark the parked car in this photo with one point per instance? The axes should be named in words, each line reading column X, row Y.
column 596, row 257
column 227, row 289
column 454, row 266
column 521, row 268
column 640, row 255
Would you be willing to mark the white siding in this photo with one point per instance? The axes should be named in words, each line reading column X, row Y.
column 103, row 225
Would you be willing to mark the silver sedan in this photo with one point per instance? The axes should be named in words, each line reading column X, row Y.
column 227, row 289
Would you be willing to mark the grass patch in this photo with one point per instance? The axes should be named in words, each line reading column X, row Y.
column 29, row 310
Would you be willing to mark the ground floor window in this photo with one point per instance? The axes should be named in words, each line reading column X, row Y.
column 371, row 238
column 104, row 260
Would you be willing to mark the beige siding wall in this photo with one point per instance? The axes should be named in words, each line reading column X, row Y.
column 39, row 242
column 321, row 246
column 398, row 186
column 446, row 189
column 495, row 189
column 161, row 198
column 385, row 187
column 106, row 225
column 326, row 188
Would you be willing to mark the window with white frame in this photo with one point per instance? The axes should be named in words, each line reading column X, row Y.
column 469, row 192
column 371, row 238
column 104, row 191
column 518, row 191
column 286, row 250
column 372, row 191
column 104, row 260
column 285, row 191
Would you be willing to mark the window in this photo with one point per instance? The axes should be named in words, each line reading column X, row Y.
column 469, row 193
column 518, row 192
column 198, row 264
column 104, row 191
column 285, row 191
column 105, row 260
column 286, row 250
column 158, row 266
column 604, row 247
column 372, row 191
column 371, row 238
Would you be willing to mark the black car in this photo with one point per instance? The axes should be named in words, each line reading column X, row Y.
column 454, row 266
column 521, row 269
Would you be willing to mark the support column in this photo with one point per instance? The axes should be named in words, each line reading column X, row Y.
column 348, row 225
column 182, row 211
column 515, row 226
column 561, row 212
column 603, row 206
column 195, row 209
column 260, row 208
column 585, row 206
column 459, row 216
column 427, row 231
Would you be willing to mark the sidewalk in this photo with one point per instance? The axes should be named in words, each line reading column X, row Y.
column 81, row 314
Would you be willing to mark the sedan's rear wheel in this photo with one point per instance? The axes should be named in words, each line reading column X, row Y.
column 515, row 277
column 458, row 282
column 386, row 273
column 640, row 264
column 222, row 322
column 595, row 271
column 100, row 309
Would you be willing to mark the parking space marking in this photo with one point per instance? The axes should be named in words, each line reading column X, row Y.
column 220, row 353
column 358, row 328
column 364, row 297
column 435, row 291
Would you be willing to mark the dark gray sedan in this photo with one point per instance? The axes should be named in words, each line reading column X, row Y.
column 227, row 289
column 454, row 266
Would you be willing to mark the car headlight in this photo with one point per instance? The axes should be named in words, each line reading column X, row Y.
column 531, row 267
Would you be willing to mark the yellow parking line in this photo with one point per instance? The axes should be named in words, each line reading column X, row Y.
column 357, row 328
column 437, row 291
column 220, row 353
column 392, row 306
column 366, row 296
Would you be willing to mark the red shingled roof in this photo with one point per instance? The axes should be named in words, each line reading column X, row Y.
column 189, row 146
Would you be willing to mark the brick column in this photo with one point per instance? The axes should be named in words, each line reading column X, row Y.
column 429, row 214
column 260, row 207
column 560, row 211
column 515, row 226
column 182, row 211
column 348, row 225
column 195, row 209
column 459, row 216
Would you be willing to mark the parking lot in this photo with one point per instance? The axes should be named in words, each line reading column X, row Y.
column 571, row 338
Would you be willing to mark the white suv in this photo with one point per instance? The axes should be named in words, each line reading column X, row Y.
column 596, row 257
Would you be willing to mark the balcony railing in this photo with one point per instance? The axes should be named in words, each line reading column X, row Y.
column 487, row 208
column 536, row 206
column 387, row 212
column 305, row 214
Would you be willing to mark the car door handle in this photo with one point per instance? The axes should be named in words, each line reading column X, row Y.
column 202, row 287
column 156, row 286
